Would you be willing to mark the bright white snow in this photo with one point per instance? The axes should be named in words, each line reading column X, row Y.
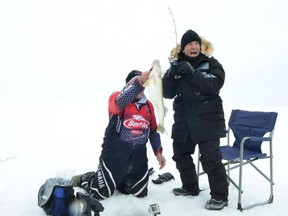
column 56, row 139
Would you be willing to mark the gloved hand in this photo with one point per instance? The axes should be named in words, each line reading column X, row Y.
column 172, row 71
column 185, row 68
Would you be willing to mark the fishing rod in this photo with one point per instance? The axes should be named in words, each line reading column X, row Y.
column 175, row 29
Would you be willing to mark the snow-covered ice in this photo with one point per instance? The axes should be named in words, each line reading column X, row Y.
column 61, row 139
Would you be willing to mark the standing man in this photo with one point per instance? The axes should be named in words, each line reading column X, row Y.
column 194, row 81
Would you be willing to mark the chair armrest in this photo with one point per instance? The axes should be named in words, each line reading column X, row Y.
column 253, row 139
column 260, row 138
column 244, row 139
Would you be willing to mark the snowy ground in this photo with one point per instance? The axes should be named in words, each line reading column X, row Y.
column 43, row 140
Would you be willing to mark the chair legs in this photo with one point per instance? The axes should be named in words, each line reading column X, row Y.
column 230, row 166
column 240, row 189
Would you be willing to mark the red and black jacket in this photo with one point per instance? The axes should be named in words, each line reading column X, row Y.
column 133, row 121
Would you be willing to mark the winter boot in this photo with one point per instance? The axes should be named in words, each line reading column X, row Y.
column 76, row 180
column 182, row 192
column 213, row 204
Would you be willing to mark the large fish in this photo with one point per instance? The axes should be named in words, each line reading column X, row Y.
column 154, row 85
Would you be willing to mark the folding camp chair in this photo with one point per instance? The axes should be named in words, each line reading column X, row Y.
column 250, row 129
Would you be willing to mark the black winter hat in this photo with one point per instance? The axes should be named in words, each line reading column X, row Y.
column 132, row 74
column 188, row 37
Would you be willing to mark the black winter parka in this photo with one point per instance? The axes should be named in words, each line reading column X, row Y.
column 198, row 109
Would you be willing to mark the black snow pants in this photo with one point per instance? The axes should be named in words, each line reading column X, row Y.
column 210, row 158
column 122, row 166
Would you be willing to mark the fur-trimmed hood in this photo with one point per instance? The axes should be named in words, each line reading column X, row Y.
column 206, row 48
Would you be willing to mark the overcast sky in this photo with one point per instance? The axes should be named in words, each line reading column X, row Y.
column 76, row 50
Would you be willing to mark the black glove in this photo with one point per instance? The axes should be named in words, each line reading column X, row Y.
column 163, row 178
column 185, row 68
column 172, row 71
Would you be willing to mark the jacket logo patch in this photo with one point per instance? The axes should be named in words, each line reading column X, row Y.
column 137, row 122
